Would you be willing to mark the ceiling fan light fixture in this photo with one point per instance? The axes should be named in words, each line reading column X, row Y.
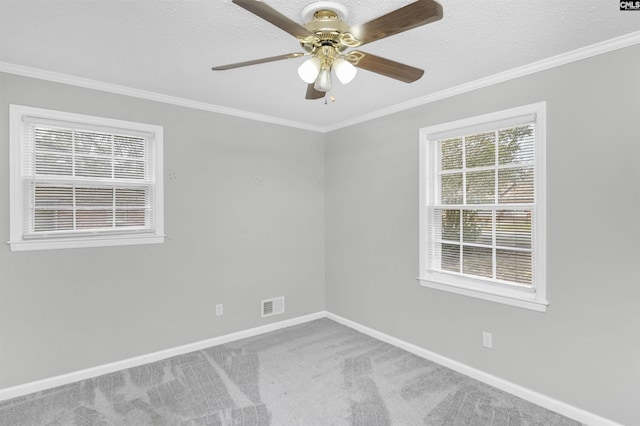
column 323, row 82
column 345, row 71
column 326, row 38
column 309, row 69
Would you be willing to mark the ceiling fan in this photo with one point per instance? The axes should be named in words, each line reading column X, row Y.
column 326, row 38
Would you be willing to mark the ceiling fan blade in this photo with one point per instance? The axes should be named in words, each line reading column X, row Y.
column 384, row 66
column 416, row 14
column 271, row 15
column 258, row 61
column 312, row 93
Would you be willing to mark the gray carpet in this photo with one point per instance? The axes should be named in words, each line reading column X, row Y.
column 317, row 373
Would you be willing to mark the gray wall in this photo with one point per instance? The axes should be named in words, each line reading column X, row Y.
column 585, row 350
column 244, row 218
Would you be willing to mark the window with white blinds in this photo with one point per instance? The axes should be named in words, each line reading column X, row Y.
column 482, row 207
column 81, row 181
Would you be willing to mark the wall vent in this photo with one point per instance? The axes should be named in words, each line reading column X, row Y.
column 273, row 306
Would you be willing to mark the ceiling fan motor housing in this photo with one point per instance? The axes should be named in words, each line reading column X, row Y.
column 340, row 11
column 326, row 21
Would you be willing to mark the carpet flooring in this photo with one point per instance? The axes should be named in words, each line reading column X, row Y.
column 317, row 373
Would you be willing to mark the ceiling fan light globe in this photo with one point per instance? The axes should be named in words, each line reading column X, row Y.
column 323, row 82
column 309, row 70
column 345, row 71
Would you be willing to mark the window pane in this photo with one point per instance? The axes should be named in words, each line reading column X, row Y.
column 53, row 196
column 513, row 228
column 129, row 169
column 93, row 143
column 477, row 261
column 450, row 256
column 513, row 266
column 94, row 219
column 53, row 164
column 52, row 220
column 481, row 187
column 56, row 140
column 451, row 154
column 480, row 150
column 93, row 166
column 98, row 197
column 515, row 145
column 451, row 188
column 131, row 218
column 131, row 197
column 477, row 226
column 450, row 225
column 515, row 185
column 129, row 147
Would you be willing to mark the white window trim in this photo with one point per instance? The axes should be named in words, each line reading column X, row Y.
column 534, row 298
column 16, row 196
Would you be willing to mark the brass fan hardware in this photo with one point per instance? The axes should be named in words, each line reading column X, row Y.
column 326, row 39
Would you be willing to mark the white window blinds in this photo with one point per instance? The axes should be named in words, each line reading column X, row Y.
column 80, row 181
column 483, row 205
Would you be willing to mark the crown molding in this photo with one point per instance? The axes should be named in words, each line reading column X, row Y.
column 534, row 67
column 41, row 74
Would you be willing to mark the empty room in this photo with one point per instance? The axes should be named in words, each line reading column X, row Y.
column 245, row 212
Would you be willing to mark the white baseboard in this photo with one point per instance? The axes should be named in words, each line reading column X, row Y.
column 560, row 407
column 52, row 382
column 549, row 403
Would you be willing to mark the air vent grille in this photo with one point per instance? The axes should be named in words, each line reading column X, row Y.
column 273, row 306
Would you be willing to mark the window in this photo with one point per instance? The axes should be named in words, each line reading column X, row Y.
column 81, row 181
column 482, row 207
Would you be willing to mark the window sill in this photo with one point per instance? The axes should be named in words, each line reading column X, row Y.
column 65, row 243
column 512, row 297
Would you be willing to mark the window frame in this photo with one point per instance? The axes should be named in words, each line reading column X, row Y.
column 532, row 297
column 18, row 242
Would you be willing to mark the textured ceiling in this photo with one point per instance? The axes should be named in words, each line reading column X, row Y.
column 169, row 46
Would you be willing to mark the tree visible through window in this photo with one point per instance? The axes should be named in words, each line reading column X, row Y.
column 487, row 180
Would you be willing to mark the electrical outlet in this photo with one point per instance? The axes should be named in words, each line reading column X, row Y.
column 487, row 340
column 219, row 310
